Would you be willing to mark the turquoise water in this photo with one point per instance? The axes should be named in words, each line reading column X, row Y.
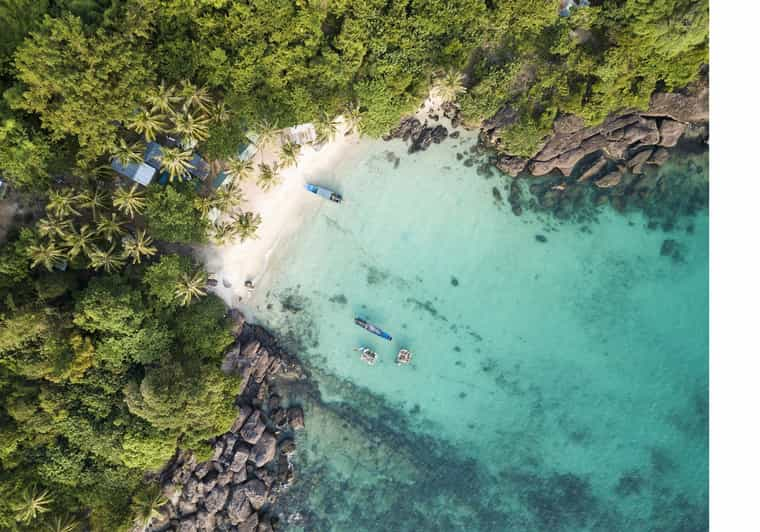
column 557, row 385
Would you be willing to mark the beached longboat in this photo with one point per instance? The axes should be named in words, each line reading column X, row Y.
column 367, row 355
column 404, row 357
column 374, row 329
column 324, row 192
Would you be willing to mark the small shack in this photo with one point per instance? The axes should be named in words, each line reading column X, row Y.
column 137, row 172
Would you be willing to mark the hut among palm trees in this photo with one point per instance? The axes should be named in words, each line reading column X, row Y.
column 301, row 134
column 137, row 172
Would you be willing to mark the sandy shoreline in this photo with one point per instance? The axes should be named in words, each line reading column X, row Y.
column 283, row 208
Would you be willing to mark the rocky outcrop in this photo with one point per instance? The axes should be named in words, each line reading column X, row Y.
column 250, row 464
column 631, row 138
column 420, row 136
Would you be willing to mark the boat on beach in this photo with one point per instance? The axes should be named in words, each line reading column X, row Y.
column 374, row 329
column 324, row 193
column 367, row 355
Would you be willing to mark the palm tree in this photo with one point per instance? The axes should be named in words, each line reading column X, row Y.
column 176, row 162
column 228, row 197
column 63, row 524
column 246, row 224
column 93, row 199
column 354, row 118
column 148, row 123
column 80, row 242
column 326, row 128
column 146, row 506
column 110, row 227
column 267, row 133
column 449, row 85
column 268, row 176
column 219, row 112
column 197, row 96
column 52, row 227
column 108, row 260
column 239, row 170
column 33, row 503
column 191, row 128
column 128, row 153
column 61, row 203
column 289, row 153
column 135, row 247
column 131, row 202
column 204, row 204
column 162, row 98
column 222, row 232
column 190, row 286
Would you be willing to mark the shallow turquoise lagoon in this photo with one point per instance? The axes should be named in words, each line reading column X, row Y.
column 556, row 385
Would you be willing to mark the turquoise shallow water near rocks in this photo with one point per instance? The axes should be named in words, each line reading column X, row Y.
column 560, row 371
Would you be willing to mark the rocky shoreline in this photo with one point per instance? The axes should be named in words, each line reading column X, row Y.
column 616, row 162
column 236, row 489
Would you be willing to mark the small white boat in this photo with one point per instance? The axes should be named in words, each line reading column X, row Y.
column 404, row 357
column 367, row 355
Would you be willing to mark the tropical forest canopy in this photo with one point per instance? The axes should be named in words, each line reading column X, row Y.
column 109, row 353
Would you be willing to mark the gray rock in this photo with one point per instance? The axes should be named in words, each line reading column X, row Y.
column 202, row 470
column 239, row 509
column 636, row 163
column 187, row 525
column 239, row 460
column 287, row 447
column 249, row 525
column 670, row 132
column 510, row 165
column 186, row 507
column 241, row 476
column 264, row 450
column 253, row 428
column 610, row 180
column 594, row 169
column 256, row 491
column 216, row 499
column 243, row 413
column 205, row 521
column 295, row 417
column 238, row 321
column 250, row 349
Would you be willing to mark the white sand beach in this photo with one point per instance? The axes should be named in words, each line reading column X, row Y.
column 283, row 208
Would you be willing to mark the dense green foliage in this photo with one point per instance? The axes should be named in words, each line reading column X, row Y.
column 102, row 379
column 107, row 367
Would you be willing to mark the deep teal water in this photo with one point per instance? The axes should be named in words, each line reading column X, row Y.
column 557, row 385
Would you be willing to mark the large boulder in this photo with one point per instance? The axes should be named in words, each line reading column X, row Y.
column 636, row 163
column 205, row 521
column 681, row 107
column 239, row 509
column 610, row 180
column 295, row 417
column 253, row 428
column 240, row 458
column 670, row 132
column 510, row 165
column 216, row 499
column 264, row 450
column 243, row 413
column 249, row 525
column 257, row 493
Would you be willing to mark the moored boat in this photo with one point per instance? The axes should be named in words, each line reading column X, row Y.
column 324, row 193
column 374, row 329
column 404, row 357
column 367, row 355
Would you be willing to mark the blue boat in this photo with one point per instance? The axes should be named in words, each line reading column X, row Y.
column 324, row 192
column 374, row 329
